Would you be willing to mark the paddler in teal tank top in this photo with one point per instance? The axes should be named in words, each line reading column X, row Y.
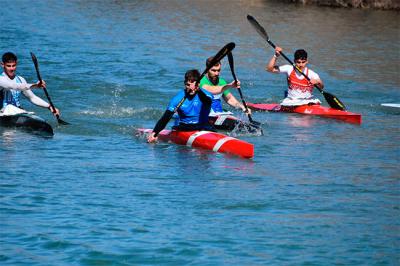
column 220, row 89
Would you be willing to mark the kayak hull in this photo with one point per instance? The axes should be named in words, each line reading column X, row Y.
column 315, row 109
column 207, row 140
column 224, row 122
column 27, row 122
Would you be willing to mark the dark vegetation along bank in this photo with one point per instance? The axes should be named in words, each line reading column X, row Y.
column 379, row 4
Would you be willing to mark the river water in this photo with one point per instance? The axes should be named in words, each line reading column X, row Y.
column 318, row 191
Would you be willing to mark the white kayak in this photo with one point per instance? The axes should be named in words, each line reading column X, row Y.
column 393, row 105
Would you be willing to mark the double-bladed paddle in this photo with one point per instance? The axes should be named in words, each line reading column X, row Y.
column 332, row 100
column 253, row 123
column 35, row 62
column 218, row 57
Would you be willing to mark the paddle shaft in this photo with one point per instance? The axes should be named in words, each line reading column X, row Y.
column 232, row 66
column 218, row 57
column 45, row 90
column 35, row 62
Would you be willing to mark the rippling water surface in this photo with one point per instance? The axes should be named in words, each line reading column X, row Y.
column 318, row 192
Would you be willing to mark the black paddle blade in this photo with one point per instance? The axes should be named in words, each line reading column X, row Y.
column 35, row 62
column 218, row 57
column 256, row 125
column 258, row 27
column 62, row 122
column 333, row 101
column 223, row 52
column 232, row 65
column 34, row 59
column 252, row 127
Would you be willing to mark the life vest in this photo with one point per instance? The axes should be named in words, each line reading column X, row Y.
column 12, row 96
column 216, row 105
column 299, row 88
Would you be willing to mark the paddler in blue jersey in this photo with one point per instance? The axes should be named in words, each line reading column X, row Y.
column 12, row 85
column 193, row 112
column 216, row 85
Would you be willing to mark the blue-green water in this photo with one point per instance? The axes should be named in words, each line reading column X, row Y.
column 318, row 192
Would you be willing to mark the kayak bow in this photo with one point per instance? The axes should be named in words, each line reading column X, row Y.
column 314, row 109
column 207, row 140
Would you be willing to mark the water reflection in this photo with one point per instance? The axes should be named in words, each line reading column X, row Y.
column 295, row 120
column 8, row 137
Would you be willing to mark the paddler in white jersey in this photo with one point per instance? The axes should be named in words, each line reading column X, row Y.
column 299, row 88
column 213, row 83
column 11, row 87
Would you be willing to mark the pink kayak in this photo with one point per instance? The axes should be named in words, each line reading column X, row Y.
column 314, row 109
column 207, row 140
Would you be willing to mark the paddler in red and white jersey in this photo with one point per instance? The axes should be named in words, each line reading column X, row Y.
column 299, row 88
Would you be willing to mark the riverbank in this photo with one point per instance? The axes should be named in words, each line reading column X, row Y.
column 378, row 4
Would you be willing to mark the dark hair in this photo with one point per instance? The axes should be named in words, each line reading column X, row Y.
column 300, row 54
column 208, row 62
column 192, row 75
column 9, row 57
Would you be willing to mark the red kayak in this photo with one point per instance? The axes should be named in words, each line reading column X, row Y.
column 314, row 109
column 207, row 140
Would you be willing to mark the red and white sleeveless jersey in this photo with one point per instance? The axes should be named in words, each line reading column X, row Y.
column 298, row 86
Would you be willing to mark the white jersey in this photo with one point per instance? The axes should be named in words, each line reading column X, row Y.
column 18, row 83
column 10, row 91
column 297, row 83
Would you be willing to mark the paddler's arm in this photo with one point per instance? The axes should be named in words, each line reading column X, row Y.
column 204, row 98
column 232, row 101
column 161, row 124
column 221, row 88
column 317, row 82
column 271, row 66
column 39, row 101
column 9, row 85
